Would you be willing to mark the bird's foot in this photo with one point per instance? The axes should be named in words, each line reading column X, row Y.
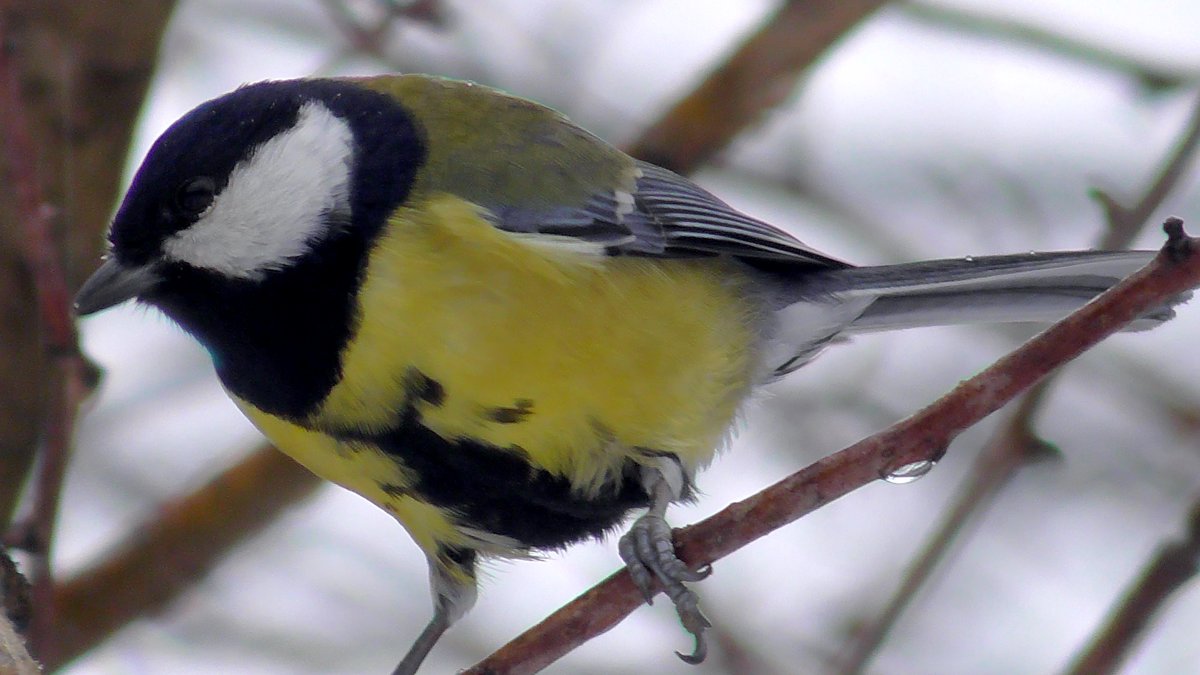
column 649, row 553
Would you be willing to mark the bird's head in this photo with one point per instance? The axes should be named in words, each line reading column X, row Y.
column 251, row 184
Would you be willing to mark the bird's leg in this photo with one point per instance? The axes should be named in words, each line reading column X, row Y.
column 425, row 642
column 452, row 580
column 649, row 552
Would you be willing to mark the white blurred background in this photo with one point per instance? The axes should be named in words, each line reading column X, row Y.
column 913, row 138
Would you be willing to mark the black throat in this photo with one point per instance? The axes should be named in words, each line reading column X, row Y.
column 275, row 342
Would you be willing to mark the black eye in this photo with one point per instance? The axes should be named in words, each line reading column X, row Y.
column 195, row 195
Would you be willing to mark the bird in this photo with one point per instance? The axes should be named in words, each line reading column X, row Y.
column 495, row 326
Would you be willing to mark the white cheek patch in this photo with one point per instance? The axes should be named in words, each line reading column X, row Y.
column 277, row 201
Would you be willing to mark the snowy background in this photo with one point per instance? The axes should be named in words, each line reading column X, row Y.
column 910, row 140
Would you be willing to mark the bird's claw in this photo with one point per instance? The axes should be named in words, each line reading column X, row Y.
column 696, row 623
column 648, row 553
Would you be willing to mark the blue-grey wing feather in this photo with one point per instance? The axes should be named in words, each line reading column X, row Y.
column 664, row 215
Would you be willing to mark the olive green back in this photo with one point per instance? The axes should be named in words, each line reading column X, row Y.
column 499, row 150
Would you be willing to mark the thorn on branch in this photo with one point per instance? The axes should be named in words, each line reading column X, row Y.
column 1179, row 246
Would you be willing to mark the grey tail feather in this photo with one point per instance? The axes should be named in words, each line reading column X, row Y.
column 1033, row 287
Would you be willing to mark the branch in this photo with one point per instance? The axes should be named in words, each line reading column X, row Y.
column 909, row 446
column 1124, row 222
column 1174, row 566
column 57, row 333
column 758, row 77
column 188, row 538
column 83, row 68
column 1013, row 30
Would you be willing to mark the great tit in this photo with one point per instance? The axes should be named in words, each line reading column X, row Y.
column 493, row 325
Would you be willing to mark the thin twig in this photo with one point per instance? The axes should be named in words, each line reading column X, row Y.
column 1174, row 566
column 918, row 440
column 1060, row 44
column 1125, row 222
column 83, row 68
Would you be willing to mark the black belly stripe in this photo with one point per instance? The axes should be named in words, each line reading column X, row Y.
column 496, row 490
column 420, row 386
column 520, row 409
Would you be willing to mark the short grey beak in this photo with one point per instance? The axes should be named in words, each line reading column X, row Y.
column 111, row 285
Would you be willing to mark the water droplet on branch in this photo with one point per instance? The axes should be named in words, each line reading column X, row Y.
column 907, row 473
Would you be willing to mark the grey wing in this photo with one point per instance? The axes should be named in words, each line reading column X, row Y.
column 665, row 215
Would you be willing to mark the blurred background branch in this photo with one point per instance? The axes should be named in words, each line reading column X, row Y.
column 1125, row 222
column 82, row 69
column 169, row 555
column 759, row 76
column 66, row 87
column 1060, row 43
column 1173, row 566
column 67, row 383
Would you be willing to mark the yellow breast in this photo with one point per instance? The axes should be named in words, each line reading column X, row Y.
column 590, row 356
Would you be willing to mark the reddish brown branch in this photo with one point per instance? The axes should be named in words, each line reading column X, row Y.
column 167, row 556
column 43, row 259
column 758, row 77
column 71, row 79
column 1173, row 567
column 923, row 437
